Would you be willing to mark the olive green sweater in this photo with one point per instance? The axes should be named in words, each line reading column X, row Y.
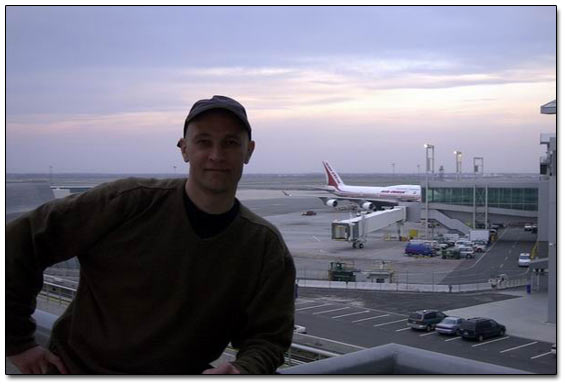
column 153, row 297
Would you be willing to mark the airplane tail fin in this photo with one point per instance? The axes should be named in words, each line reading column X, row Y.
column 332, row 177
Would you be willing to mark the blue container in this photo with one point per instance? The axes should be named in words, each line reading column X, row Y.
column 528, row 289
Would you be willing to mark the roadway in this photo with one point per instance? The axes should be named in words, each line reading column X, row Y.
column 500, row 258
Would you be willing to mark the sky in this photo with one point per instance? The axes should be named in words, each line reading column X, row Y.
column 107, row 89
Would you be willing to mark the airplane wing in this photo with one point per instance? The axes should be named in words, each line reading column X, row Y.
column 333, row 201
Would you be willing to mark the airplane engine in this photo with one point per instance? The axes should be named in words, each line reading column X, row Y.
column 368, row 206
column 331, row 203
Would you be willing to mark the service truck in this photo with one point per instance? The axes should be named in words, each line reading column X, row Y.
column 480, row 234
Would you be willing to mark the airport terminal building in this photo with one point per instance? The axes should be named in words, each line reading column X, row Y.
column 480, row 202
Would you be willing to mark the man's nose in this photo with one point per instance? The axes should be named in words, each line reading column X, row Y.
column 216, row 153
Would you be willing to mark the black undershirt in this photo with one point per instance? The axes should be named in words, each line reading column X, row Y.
column 205, row 224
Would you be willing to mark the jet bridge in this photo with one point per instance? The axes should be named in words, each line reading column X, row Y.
column 355, row 230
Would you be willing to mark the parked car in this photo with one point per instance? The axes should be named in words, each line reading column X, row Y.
column 449, row 325
column 481, row 328
column 444, row 246
column 419, row 249
column 309, row 213
column 299, row 329
column 467, row 252
column 524, row 260
column 528, row 227
column 463, row 243
column 425, row 319
column 480, row 246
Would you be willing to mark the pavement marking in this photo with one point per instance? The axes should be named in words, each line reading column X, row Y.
column 492, row 341
column 429, row 333
column 315, row 238
column 349, row 314
column 501, row 265
column 333, row 341
column 403, row 329
column 330, row 310
column 369, row 318
column 304, row 301
column 520, row 346
column 543, row 354
column 454, row 338
column 315, row 306
column 390, row 322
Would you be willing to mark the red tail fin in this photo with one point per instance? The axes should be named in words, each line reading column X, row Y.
column 332, row 177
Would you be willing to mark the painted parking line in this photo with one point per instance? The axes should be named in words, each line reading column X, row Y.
column 349, row 314
column 403, row 329
column 330, row 310
column 332, row 341
column 370, row 318
column 304, row 301
column 390, row 322
column 454, row 338
column 315, row 306
column 543, row 354
column 520, row 346
column 429, row 333
column 492, row 341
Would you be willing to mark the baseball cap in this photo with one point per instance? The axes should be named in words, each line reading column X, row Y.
column 218, row 102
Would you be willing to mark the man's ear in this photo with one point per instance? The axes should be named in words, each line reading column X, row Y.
column 183, row 149
column 250, row 149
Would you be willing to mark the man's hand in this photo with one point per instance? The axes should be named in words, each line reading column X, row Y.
column 222, row 369
column 36, row 360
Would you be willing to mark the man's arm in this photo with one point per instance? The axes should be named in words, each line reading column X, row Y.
column 55, row 231
column 267, row 335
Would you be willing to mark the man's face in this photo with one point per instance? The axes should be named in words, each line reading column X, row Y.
column 216, row 147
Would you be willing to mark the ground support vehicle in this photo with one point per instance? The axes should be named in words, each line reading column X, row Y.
column 425, row 319
column 450, row 253
column 340, row 271
column 480, row 328
column 479, row 234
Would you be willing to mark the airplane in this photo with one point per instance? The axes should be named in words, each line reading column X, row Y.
column 368, row 198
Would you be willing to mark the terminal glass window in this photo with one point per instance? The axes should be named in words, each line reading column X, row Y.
column 507, row 198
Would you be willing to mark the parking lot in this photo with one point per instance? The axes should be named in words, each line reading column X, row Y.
column 348, row 322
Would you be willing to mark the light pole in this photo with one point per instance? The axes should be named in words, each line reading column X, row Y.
column 478, row 166
column 393, row 169
column 50, row 175
column 458, row 163
column 429, row 166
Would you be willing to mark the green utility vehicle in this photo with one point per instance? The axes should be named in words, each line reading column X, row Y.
column 340, row 271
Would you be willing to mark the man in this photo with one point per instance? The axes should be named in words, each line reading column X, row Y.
column 171, row 270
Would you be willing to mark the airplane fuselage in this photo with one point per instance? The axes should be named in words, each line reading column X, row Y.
column 396, row 192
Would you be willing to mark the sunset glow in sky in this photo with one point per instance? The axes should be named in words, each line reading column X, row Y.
column 106, row 89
